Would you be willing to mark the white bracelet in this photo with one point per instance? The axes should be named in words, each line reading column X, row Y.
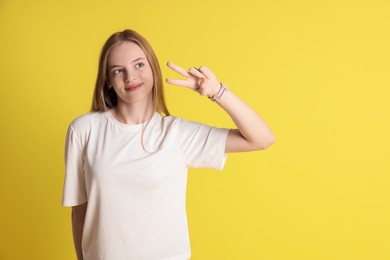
column 222, row 90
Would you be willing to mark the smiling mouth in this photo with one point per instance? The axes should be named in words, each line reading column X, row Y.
column 133, row 87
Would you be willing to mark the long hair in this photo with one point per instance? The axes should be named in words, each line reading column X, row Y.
column 105, row 98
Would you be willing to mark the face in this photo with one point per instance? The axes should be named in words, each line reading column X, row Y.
column 129, row 73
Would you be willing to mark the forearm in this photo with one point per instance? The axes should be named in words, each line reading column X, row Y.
column 252, row 132
column 78, row 217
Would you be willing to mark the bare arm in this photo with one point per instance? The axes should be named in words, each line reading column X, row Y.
column 252, row 132
column 78, row 217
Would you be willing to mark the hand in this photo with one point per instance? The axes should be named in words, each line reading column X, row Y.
column 201, row 80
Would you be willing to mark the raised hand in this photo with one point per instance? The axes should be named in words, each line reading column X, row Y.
column 201, row 80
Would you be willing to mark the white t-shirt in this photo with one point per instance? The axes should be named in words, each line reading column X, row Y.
column 136, row 191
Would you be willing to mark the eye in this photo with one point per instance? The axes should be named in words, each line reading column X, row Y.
column 139, row 65
column 117, row 71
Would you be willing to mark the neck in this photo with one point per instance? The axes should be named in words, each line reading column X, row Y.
column 132, row 114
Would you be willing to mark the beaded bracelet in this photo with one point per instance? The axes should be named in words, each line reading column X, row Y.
column 222, row 90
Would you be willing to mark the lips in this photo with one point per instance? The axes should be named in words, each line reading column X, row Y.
column 133, row 87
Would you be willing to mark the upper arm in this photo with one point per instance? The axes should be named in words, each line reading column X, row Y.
column 74, row 189
column 79, row 210
column 78, row 218
column 236, row 142
column 201, row 146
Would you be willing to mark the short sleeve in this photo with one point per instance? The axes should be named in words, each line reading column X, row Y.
column 202, row 146
column 74, row 190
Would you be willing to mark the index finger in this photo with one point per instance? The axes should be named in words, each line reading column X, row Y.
column 178, row 69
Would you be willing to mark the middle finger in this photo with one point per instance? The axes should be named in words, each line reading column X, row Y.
column 195, row 72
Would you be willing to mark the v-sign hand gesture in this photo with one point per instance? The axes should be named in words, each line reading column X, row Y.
column 201, row 80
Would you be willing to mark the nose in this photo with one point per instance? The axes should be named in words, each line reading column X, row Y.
column 130, row 76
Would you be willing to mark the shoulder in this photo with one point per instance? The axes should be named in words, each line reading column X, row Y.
column 176, row 122
column 181, row 126
column 183, row 123
column 168, row 125
column 85, row 122
column 187, row 127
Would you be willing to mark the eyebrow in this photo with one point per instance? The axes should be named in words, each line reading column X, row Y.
column 135, row 60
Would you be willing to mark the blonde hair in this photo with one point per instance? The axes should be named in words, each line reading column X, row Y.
column 105, row 98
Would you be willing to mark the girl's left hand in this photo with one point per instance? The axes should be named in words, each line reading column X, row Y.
column 201, row 80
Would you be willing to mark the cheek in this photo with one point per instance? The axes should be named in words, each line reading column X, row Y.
column 149, row 73
column 146, row 74
column 115, row 78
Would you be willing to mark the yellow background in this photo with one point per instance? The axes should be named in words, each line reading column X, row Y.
column 317, row 71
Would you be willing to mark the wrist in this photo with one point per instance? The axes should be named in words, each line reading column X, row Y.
column 216, row 97
column 214, row 91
